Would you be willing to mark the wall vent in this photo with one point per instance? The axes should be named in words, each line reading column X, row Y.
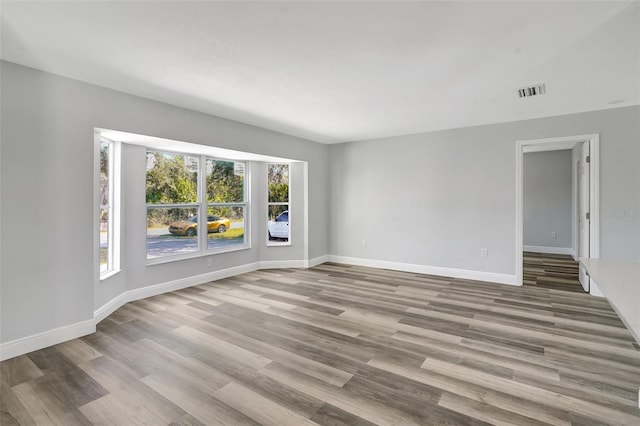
column 534, row 90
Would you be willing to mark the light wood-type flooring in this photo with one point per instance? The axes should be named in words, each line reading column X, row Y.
column 337, row 345
column 553, row 271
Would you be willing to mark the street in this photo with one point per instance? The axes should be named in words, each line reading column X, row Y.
column 158, row 246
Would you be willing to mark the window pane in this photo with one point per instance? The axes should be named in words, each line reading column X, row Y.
column 278, row 223
column 278, row 176
column 225, row 181
column 171, row 231
column 104, row 240
column 226, row 227
column 104, row 173
column 171, row 178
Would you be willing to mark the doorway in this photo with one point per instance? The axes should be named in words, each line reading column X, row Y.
column 585, row 196
column 549, row 216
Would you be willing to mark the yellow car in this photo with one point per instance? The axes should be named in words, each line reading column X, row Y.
column 190, row 227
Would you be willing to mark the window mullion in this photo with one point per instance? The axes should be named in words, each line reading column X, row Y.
column 171, row 206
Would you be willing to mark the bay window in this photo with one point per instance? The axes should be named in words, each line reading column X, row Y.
column 188, row 193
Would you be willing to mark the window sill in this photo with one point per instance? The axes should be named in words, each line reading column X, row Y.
column 109, row 274
column 278, row 244
column 196, row 255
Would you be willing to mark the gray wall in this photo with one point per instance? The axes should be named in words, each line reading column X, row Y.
column 547, row 198
column 433, row 199
column 437, row 198
column 47, row 187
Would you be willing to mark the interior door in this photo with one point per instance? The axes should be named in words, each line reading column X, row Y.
column 584, row 216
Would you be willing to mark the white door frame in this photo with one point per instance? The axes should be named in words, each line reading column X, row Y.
column 553, row 144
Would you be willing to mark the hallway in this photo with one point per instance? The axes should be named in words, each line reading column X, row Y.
column 553, row 271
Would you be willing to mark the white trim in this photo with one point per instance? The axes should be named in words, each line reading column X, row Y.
column 305, row 230
column 96, row 208
column 429, row 270
column 573, row 254
column 551, row 250
column 575, row 208
column 551, row 146
column 317, row 261
column 594, row 195
column 109, row 274
column 117, row 205
column 45, row 339
column 282, row 264
column 110, row 307
column 594, row 189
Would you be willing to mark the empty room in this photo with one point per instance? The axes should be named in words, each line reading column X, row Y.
column 416, row 213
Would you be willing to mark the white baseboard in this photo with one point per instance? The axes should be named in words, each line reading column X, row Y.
column 317, row 261
column 277, row 264
column 110, row 307
column 550, row 250
column 573, row 254
column 429, row 270
column 282, row 264
column 45, row 339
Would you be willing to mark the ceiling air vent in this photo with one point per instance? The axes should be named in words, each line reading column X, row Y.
column 526, row 92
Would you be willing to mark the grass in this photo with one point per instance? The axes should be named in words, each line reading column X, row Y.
column 229, row 234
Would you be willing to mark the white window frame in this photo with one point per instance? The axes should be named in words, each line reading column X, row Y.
column 244, row 204
column 275, row 243
column 113, row 207
column 202, row 208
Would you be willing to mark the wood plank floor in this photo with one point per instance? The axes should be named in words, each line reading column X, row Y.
column 337, row 345
column 553, row 271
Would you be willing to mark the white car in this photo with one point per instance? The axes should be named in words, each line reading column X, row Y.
column 279, row 228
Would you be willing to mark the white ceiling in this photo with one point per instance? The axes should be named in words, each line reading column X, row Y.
column 341, row 71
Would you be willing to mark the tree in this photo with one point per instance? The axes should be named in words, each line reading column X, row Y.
column 104, row 173
column 223, row 185
column 278, row 177
column 169, row 181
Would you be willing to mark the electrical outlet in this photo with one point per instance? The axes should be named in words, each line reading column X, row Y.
column 364, row 243
column 484, row 252
column 209, row 261
column 554, row 234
